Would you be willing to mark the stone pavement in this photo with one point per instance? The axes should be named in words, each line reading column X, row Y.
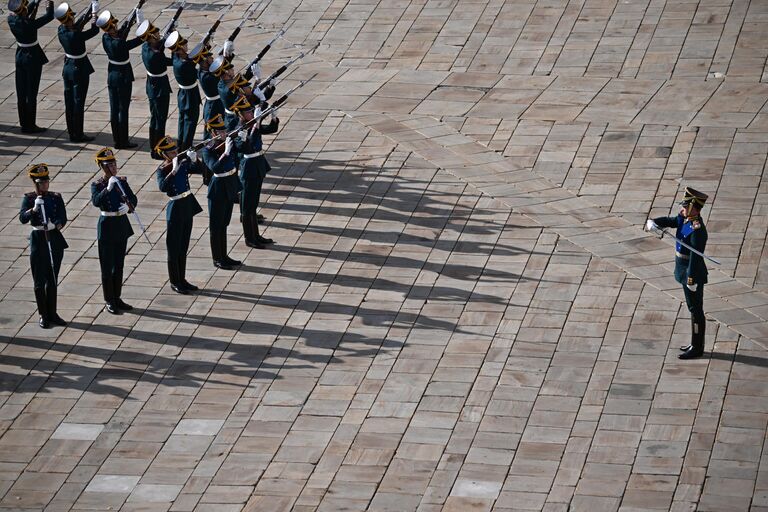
column 461, row 312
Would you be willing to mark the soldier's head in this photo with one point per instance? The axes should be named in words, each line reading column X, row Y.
column 105, row 158
column 107, row 22
column 167, row 148
column 243, row 108
column 65, row 14
column 222, row 68
column 18, row 7
column 216, row 125
column 40, row 176
column 148, row 33
column 176, row 43
column 692, row 203
column 201, row 55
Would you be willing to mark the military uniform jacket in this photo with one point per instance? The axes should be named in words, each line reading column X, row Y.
column 694, row 233
column 73, row 43
column 156, row 63
column 228, row 96
column 185, row 207
column 221, row 188
column 209, row 83
column 249, row 167
column 56, row 213
column 185, row 72
column 117, row 50
column 24, row 30
column 111, row 228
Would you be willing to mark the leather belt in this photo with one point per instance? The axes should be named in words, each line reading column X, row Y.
column 127, row 61
column 42, row 228
column 164, row 73
column 188, row 86
column 682, row 256
column 225, row 174
column 254, row 155
column 212, row 98
column 182, row 195
column 75, row 57
column 111, row 214
column 27, row 45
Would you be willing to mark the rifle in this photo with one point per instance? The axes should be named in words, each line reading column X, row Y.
column 128, row 23
column 239, row 26
column 172, row 23
column 83, row 18
column 33, row 10
column 212, row 30
column 264, row 83
column 248, row 73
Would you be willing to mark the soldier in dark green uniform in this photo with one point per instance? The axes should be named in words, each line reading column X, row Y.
column 115, row 199
column 253, row 169
column 158, row 85
column 29, row 59
column 45, row 211
column 119, row 74
column 188, row 96
column 690, row 270
column 222, row 69
column 173, row 179
column 77, row 69
column 223, row 190
column 209, row 82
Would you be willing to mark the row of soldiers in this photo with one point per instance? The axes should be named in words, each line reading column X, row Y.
column 194, row 69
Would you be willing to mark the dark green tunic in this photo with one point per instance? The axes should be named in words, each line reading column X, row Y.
column 222, row 190
column 119, row 83
column 187, row 99
column 158, row 87
column 253, row 170
column 112, row 232
column 39, row 257
column 76, row 74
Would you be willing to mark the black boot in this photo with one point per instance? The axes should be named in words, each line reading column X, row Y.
column 249, row 233
column 174, row 274
column 255, row 223
column 116, row 135
column 698, row 326
column 229, row 261
column 183, row 274
column 117, row 283
column 53, row 316
column 42, row 308
column 109, row 295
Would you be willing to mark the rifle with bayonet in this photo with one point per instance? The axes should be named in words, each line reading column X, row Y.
column 234, row 34
column 172, row 23
column 248, row 72
column 125, row 28
column 282, row 69
column 212, row 30
column 83, row 18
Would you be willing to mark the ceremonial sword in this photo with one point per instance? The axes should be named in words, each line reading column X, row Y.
column 662, row 231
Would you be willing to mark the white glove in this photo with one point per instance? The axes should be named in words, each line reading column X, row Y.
column 693, row 287
column 192, row 155
column 112, row 183
column 259, row 93
column 256, row 70
column 123, row 208
column 175, row 165
column 242, row 135
column 38, row 203
column 94, row 6
column 228, row 144
column 139, row 16
column 229, row 48
column 649, row 225
column 50, row 226
column 257, row 112
column 273, row 116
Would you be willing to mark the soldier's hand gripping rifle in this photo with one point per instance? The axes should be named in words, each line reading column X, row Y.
column 228, row 44
column 82, row 18
column 172, row 23
column 125, row 28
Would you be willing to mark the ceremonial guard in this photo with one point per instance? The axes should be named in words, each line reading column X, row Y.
column 223, row 190
column 188, row 95
column 119, row 72
column 115, row 199
column 77, row 67
column 158, row 85
column 209, row 82
column 173, row 179
column 253, row 168
column 30, row 58
column 45, row 211
column 222, row 69
column 690, row 270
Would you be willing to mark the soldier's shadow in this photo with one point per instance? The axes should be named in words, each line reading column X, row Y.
column 761, row 362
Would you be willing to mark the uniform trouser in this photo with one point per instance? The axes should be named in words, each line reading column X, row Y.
column 158, row 109
column 75, row 93
column 177, row 245
column 119, row 102
column 27, row 85
column 112, row 261
column 220, row 214
column 44, row 278
column 187, row 125
column 695, row 303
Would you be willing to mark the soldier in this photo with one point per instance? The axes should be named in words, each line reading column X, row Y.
column 158, row 85
column 690, row 270
column 223, row 189
column 253, row 168
column 119, row 73
column 77, row 68
column 201, row 55
column 188, row 96
column 29, row 59
column 222, row 69
column 45, row 211
column 173, row 179
column 115, row 199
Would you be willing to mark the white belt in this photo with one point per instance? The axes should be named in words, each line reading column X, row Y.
column 27, row 45
column 157, row 76
column 212, row 98
column 188, row 86
column 75, row 57
column 42, row 228
column 225, row 174
column 127, row 61
column 111, row 214
column 682, row 256
column 229, row 112
column 182, row 195
column 254, row 155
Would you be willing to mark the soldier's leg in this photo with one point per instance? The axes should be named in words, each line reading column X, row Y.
column 162, row 114
column 227, row 217
column 124, row 99
column 120, row 247
column 114, row 113
column 106, row 263
column 206, row 116
column 39, row 277
column 154, row 127
column 172, row 241
column 21, row 96
column 51, row 287
column 33, row 73
column 193, row 116
column 69, row 108
column 186, row 234
column 695, row 303
column 80, row 96
column 214, row 230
